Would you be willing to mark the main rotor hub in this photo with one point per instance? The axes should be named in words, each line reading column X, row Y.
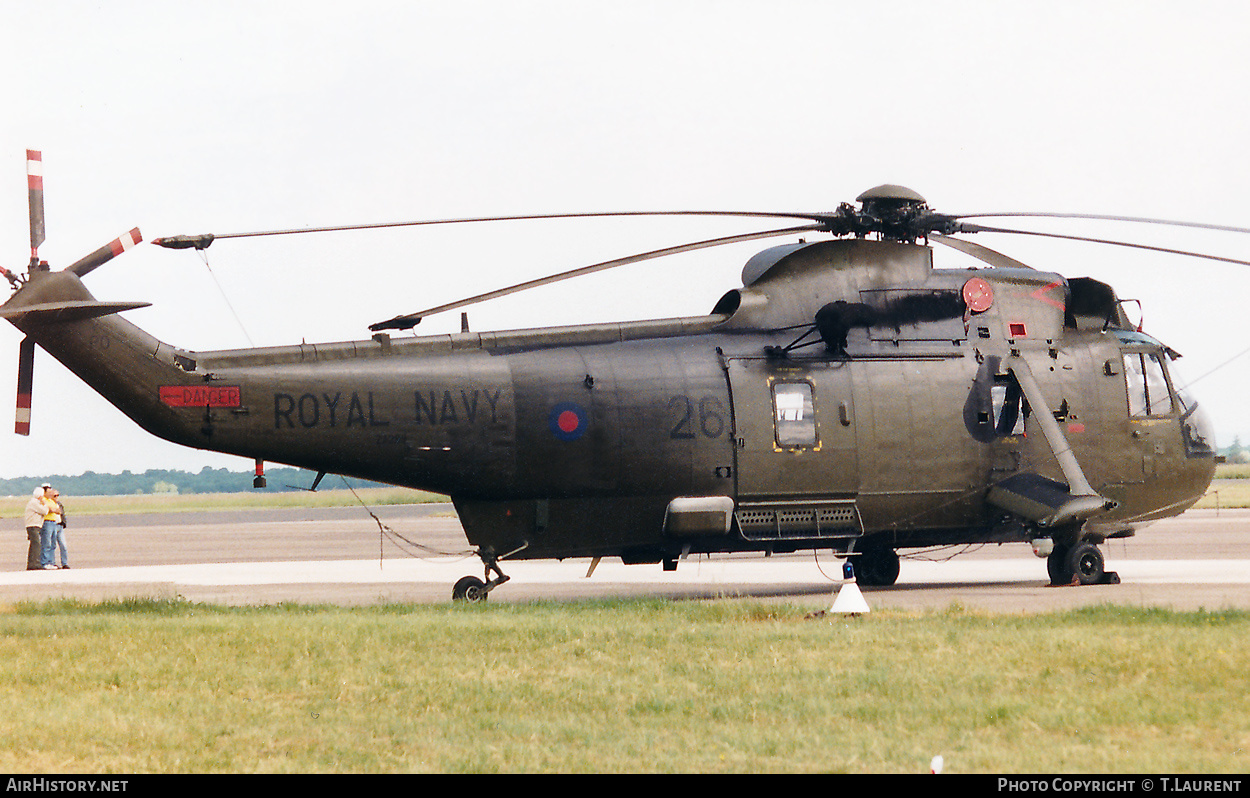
column 890, row 193
column 895, row 213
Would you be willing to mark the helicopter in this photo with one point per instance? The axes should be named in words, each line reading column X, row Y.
column 849, row 396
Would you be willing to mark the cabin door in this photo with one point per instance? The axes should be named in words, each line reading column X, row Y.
column 794, row 430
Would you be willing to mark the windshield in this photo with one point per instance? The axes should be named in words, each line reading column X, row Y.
column 1196, row 429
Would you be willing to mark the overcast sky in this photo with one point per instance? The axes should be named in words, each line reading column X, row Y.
column 225, row 117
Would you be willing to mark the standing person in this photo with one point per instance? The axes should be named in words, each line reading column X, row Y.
column 58, row 533
column 47, row 534
column 35, row 512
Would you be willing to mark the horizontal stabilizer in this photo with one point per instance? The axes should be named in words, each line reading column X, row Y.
column 73, row 310
column 1045, row 502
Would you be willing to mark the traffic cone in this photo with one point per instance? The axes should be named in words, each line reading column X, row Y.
column 849, row 600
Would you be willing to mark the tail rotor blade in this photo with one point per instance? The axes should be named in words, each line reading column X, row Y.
column 106, row 253
column 34, row 184
column 25, row 381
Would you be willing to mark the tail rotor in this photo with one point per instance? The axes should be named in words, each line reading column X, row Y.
column 63, row 310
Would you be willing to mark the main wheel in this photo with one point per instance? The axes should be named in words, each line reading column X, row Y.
column 469, row 588
column 877, row 566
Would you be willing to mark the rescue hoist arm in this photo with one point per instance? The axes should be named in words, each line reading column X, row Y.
column 1081, row 500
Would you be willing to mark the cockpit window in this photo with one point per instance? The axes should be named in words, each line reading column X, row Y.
column 1148, row 393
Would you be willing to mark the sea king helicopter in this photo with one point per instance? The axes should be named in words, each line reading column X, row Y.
column 848, row 397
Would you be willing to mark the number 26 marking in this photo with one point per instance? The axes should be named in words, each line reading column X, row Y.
column 710, row 413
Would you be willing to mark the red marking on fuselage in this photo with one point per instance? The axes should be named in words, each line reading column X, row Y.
column 201, row 395
column 1041, row 295
column 568, row 421
column 978, row 295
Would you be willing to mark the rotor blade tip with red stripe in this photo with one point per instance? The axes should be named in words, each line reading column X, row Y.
column 106, row 253
column 34, row 184
column 25, row 382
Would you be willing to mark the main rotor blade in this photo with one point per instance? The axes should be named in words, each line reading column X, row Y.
column 409, row 320
column 106, row 253
column 25, row 380
column 204, row 240
column 984, row 254
column 1105, row 218
column 34, row 186
column 976, row 228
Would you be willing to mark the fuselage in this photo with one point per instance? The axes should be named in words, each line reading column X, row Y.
column 711, row 433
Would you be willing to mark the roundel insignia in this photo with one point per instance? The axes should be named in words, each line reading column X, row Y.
column 568, row 421
column 978, row 295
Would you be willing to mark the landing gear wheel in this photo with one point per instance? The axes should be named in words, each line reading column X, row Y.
column 1057, row 565
column 1086, row 563
column 1082, row 563
column 876, row 566
column 469, row 588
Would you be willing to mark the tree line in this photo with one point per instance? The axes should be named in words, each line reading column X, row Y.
column 207, row 480
column 1236, row 453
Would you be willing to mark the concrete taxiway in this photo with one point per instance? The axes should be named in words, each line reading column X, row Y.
column 414, row 553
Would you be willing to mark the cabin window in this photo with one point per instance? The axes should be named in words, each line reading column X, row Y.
column 1147, row 382
column 794, row 414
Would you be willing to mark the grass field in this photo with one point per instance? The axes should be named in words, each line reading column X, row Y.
column 630, row 686
column 1230, row 489
column 1232, row 471
column 1226, row 494
column 627, row 686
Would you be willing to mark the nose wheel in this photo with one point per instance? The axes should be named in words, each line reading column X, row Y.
column 472, row 589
